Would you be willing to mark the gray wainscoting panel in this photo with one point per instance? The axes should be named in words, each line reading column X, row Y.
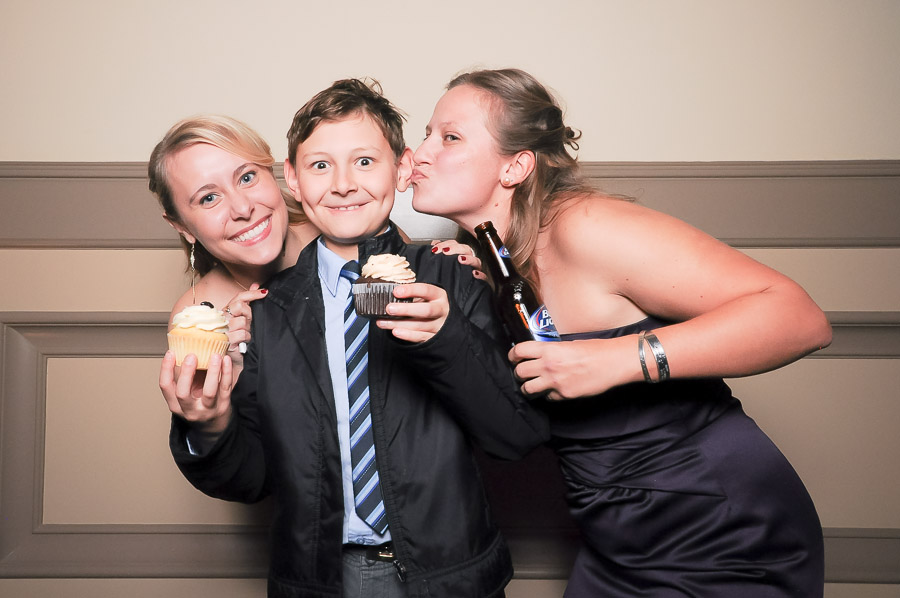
column 541, row 535
column 753, row 204
column 863, row 335
column 756, row 204
column 30, row 548
column 80, row 205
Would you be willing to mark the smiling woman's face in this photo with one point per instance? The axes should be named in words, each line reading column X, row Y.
column 231, row 206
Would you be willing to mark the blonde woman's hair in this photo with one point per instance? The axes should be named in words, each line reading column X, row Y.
column 226, row 133
column 524, row 115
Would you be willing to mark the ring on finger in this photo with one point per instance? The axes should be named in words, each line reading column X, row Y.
column 227, row 310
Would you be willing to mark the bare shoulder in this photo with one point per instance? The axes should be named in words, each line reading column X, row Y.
column 596, row 220
column 626, row 243
column 619, row 225
column 213, row 287
column 596, row 210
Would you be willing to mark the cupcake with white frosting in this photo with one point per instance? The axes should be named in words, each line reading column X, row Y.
column 198, row 329
column 374, row 289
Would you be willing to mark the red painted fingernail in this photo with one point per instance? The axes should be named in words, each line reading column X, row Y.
column 446, row 249
column 264, row 291
column 434, row 249
column 462, row 258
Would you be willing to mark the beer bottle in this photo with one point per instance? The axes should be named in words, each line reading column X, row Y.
column 524, row 318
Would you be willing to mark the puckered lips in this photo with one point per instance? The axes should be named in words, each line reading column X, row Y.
column 417, row 175
column 254, row 233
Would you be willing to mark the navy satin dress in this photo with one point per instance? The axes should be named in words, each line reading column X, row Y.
column 677, row 492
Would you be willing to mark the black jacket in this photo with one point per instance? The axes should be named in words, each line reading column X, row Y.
column 429, row 401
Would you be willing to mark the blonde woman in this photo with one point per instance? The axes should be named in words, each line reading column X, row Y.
column 213, row 177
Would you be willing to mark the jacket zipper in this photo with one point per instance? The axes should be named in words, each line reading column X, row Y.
column 401, row 570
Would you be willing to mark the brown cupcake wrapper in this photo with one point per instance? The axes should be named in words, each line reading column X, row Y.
column 371, row 298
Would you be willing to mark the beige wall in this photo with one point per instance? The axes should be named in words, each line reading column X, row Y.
column 99, row 81
column 647, row 80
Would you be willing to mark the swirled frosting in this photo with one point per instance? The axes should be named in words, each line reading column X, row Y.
column 389, row 267
column 203, row 317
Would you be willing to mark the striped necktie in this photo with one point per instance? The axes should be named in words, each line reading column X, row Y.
column 366, row 485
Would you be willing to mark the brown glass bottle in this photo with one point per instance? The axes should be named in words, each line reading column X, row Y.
column 523, row 316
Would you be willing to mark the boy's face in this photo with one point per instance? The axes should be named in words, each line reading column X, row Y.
column 345, row 178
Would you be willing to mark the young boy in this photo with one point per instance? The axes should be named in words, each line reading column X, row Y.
column 438, row 380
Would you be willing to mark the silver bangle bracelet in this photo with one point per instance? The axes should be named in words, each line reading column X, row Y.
column 662, row 362
column 647, row 377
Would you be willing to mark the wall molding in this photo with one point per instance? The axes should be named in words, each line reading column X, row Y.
column 593, row 170
column 840, row 204
column 542, row 548
column 30, row 548
column 862, row 335
column 746, row 204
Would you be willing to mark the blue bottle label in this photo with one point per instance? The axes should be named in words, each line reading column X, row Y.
column 541, row 325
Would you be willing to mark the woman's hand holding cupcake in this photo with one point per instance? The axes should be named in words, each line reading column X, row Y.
column 201, row 397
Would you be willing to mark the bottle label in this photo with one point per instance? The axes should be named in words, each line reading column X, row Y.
column 504, row 252
column 541, row 325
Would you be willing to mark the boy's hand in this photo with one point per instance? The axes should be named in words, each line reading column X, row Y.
column 422, row 318
column 203, row 398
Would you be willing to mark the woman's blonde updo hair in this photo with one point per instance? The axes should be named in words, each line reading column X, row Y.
column 525, row 116
column 226, row 133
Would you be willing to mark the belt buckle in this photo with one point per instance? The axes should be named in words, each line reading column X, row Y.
column 385, row 551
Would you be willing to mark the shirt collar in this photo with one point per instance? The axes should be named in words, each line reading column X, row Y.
column 330, row 265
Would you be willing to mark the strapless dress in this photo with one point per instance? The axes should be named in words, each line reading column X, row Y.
column 677, row 492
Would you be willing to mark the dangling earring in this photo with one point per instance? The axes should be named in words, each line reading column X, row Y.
column 193, row 276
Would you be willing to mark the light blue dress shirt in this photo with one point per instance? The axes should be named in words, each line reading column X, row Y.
column 334, row 294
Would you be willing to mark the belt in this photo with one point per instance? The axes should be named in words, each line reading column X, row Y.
column 381, row 552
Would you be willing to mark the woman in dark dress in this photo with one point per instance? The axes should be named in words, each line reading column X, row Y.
column 676, row 491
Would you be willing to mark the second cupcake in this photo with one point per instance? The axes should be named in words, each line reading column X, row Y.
column 374, row 289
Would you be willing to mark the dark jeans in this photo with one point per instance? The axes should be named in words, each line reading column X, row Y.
column 370, row 579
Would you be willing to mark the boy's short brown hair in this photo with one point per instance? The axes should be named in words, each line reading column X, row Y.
column 344, row 98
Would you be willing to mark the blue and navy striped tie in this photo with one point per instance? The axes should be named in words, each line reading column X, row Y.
column 366, row 484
